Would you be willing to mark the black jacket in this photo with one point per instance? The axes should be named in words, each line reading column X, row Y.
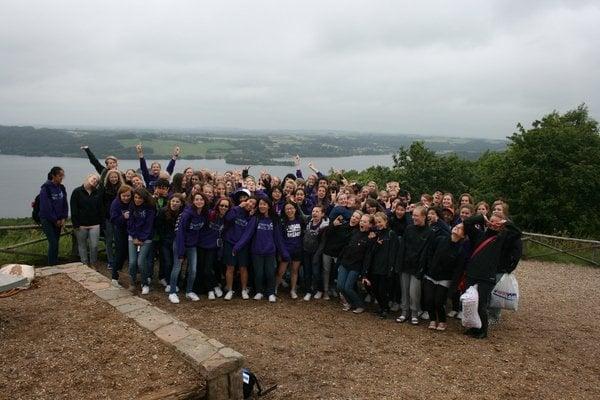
column 399, row 225
column 335, row 238
column 445, row 258
column 412, row 252
column 382, row 256
column 86, row 208
column 165, row 227
column 353, row 254
column 108, row 194
column 486, row 261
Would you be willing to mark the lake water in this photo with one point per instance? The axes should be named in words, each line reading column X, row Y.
column 21, row 177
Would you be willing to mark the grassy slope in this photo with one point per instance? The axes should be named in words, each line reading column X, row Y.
column 165, row 147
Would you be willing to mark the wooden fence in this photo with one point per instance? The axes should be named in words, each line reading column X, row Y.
column 539, row 246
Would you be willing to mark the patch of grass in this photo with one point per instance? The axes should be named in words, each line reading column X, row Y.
column 165, row 147
column 535, row 251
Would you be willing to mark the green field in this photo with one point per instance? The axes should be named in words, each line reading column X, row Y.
column 165, row 147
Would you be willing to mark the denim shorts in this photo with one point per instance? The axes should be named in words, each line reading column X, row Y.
column 242, row 258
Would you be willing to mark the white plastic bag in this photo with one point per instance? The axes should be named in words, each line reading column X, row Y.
column 470, row 303
column 506, row 293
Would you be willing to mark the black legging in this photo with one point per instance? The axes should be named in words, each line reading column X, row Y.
column 435, row 300
column 379, row 288
column 121, row 250
column 484, row 289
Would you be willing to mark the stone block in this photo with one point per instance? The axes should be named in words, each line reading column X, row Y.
column 196, row 349
column 218, row 365
column 236, row 385
column 112, row 293
column 150, row 318
column 93, row 286
column 217, row 388
column 131, row 306
column 173, row 332
column 216, row 343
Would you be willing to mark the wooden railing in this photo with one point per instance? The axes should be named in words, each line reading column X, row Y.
column 584, row 250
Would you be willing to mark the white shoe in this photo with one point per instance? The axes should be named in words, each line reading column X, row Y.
column 245, row 294
column 258, row 296
column 229, row 295
column 145, row 289
column 358, row 310
column 425, row 315
column 293, row 295
column 326, row 296
column 192, row 296
column 173, row 298
column 218, row 292
column 307, row 297
column 115, row 282
column 211, row 295
column 318, row 295
column 163, row 282
column 452, row 314
column 272, row 298
column 459, row 315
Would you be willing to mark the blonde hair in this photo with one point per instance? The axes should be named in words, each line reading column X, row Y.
column 107, row 177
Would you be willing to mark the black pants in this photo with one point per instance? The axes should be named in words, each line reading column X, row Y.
column 435, row 300
column 205, row 278
column 121, row 250
column 379, row 289
column 484, row 289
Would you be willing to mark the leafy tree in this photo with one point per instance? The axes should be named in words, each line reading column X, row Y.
column 549, row 174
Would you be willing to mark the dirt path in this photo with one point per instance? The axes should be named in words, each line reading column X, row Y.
column 549, row 349
column 59, row 341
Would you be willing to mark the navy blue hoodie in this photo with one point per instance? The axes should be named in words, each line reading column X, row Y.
column 141, row 221
column 266, row 238
column 211, row 232
column 291, row 232
column 236, row 221
column 53, row 202
column 188, row 228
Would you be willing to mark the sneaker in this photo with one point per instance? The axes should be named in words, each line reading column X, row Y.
column 109, row 267
column 425, row 315
column 326, row 296
column 401, row 319
column 173, row 298
column 307, row 297
column 459, row 315
column 442, row 326
column 432, row 325
column 258, row 296
column 358, row 310
column 218, row 292
column 284, row 284
column 318, row 295
column 149, row 280
column 211, row 295
column 395, row 307
column 192, row 296
column 115, row 283
column 272, row 298
column 414, row 320
column 163, row 282
column 245, row 294
column 293, row 294
column 167, row 288
column 452, row 314
column 145, row 289
column 368, row 298
column 229, row 295
column 346, row 307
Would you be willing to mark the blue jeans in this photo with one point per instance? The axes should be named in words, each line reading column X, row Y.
column 150, row 260
column 52, row 233
column 83, row 235
column 192, row 259
column 312, row 274
column 139, row 259
column 346, row 281
column 264, row 268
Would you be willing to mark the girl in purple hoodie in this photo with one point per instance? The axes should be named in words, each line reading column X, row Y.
column 292, row 231
column 264, row 232
column 139, row 230
column 187, row 235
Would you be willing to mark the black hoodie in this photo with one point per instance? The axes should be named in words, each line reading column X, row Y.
column 412, row 252
column 382, row 257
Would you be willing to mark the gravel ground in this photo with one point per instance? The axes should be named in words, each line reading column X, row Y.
column 549, row 349
column 59, row 341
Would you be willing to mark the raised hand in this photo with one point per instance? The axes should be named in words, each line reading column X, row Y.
column 84, row 146
column 176, row 151
column 140, row 150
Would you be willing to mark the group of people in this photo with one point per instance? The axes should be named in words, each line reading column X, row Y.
column 322, row 236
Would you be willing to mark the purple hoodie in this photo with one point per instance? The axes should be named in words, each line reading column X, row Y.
column 187, row 229
column 53, row 202
column 266, row 238
column 210, row 233
column 236, row 220
column 151, row 179
column 117, row 208
column 141, row 221
column 291, row 232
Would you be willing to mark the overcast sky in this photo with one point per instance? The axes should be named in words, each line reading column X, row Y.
column 456, row 68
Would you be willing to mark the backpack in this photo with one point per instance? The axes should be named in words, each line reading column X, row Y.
column 250, row 380
column 35, row 213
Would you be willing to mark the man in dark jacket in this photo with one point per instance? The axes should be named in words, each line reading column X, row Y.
column 486, row 259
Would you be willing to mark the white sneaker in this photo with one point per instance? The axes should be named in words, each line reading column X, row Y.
column 258, row 296
column 173, row 298
column 293, row 295
column 272, row 298
column 425, row 315
column 326, row 296
column 452, row 314
column 192, row 296
column 459, row 315
column 245, row 294
column 218, row 292
column 318, row 295
column 163, row 282
column 358, row 310
column 307, row 297
column 115, row 283
column 229, row 295
column 145, row 289
column 211, row 295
